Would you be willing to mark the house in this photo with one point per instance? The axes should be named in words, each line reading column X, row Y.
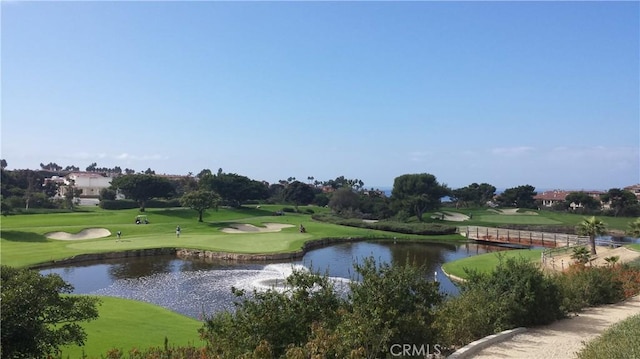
column 550, row 198
column 635, row 189
column 91, row 183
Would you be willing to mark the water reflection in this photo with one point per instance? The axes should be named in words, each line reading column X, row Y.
column 196, row 286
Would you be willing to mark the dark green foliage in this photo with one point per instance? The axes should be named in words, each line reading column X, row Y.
column 475, row 194
column 36, row 318
column 390, row 226
column 622, row 202
column 162, row 203
column 143, row 187
column 200, row 201
column 119, row 204
column 588, row 204
column 584, row 286
column 298, row 193
column 279, row 318
column 288, row 209
column 233, row 188
column 417, row 193
column 521, row 196
column 389, row 304
column 515, row 294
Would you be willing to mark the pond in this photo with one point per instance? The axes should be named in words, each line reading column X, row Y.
column 195, row 287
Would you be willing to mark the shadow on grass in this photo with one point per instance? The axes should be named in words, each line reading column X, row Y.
column 184, row 213
column 17, row 236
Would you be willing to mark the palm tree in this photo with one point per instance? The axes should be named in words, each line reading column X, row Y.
column 634, row 229
column 591, row 227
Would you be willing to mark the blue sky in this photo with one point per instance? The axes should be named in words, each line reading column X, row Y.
column 509, row 93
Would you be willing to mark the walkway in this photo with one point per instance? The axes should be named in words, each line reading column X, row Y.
column 562, row 339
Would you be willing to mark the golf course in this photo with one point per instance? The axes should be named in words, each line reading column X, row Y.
column 32, row 240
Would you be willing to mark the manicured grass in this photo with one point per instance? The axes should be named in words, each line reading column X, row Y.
column 618, row 342
column 490, row 217
column 23, row 241
column 635, row 246
column 484, row 263
column 125, row 324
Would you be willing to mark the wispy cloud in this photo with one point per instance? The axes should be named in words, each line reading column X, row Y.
column 419, row 156
column 131, row 157
column 512, row 151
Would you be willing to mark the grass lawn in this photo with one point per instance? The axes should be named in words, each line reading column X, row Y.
column 23, row 241
column 618, row 342
column 125, row 324
column 484, row 263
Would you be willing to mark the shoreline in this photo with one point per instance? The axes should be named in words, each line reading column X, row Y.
column 182, row 252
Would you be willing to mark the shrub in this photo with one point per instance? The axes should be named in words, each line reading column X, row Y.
column 309, row 211
column 516, row 293
column 389, row 226
column 584, row 286
column 288, row 210
column 118, row 204
column 159, row 203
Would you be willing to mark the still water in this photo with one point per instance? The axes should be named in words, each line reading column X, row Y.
column 195, row 287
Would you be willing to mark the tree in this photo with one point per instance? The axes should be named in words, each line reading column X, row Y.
column 520, row 197
column 71, row 192
column 92, row 167
column 142, row 187
column 3, row 163
column 200, row 201
column 622, row 202
column 36, row 318
column 299, row 193
column 234, row 188
column 633, row 229
column 583, row 199
column 417, row 193
column 344, row 199
column 592, row 227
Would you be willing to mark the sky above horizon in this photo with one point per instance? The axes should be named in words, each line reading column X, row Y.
column 507, row 93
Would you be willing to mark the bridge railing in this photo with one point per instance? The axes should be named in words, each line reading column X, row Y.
column 545, row 239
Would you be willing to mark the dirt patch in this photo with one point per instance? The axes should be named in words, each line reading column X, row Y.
column 562, row 261
column 250, row 228
column 88, row 233
column 450, row 216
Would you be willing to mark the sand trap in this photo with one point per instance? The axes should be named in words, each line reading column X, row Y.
column 89, row 233
column 514, row 211
column 250, row 228
column 451, row 216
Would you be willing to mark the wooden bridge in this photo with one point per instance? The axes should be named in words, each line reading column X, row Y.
column 528, row 238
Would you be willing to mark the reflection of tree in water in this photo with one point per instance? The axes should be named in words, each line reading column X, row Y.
column 131, row 268
column 431, row 256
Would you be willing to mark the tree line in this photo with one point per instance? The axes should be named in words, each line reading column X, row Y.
column 412, row 195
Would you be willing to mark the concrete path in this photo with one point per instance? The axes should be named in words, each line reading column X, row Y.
column 564, row 338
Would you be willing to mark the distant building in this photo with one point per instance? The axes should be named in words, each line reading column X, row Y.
column 635, row 189
column 91, row 183
column 550, row 198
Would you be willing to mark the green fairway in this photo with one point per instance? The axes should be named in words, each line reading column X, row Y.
column 484, row 263
column 23, row 241
column 125, row 324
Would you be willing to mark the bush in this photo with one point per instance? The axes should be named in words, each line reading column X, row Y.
column 159, row 203
column 288, row 210
column 118, row 204
column 515, row 294
column 309, row 211
column 389, row 226
column 583, row 286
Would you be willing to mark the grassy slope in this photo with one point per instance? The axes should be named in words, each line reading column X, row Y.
column 618, row 342
column 486, row 262
column 125, row 324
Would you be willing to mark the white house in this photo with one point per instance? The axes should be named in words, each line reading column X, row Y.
column 89, row 182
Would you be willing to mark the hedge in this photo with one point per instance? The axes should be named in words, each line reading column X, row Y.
column 389, row 226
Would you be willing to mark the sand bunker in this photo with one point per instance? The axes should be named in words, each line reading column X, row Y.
column 514, row 211
column 250, row 228
column 450, row 216
column 88, row 233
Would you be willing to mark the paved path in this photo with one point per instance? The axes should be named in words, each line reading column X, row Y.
column 562, row 339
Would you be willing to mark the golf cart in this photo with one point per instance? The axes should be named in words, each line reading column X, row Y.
column 142, row 219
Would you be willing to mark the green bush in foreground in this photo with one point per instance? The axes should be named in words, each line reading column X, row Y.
column 515, row 294
column 621, row 341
